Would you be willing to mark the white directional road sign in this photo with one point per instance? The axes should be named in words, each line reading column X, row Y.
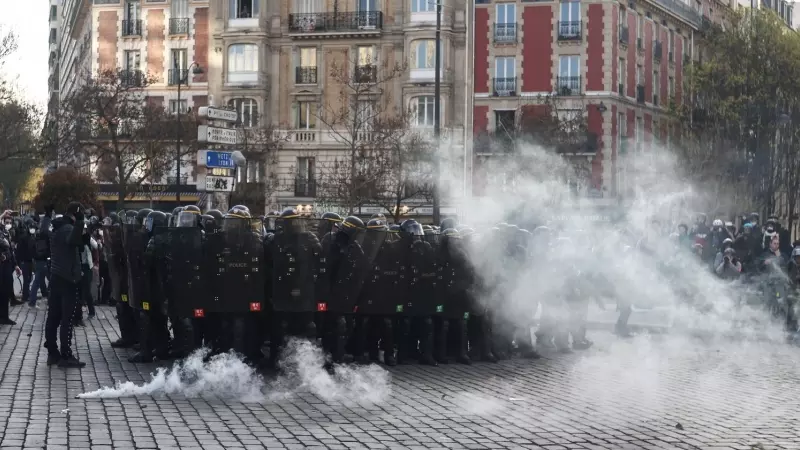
column 217, row 135
column 214, row 183
column 212, row 113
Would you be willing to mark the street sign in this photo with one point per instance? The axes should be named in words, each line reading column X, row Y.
column 212, row 113
column 219, row 184
column 216, row 135
column 219, row 159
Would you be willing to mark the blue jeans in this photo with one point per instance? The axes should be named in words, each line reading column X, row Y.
column 39, row 281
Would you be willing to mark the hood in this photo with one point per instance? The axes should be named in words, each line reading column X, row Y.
column 58, row 222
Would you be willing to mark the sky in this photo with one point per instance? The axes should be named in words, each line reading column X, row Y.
column 28, row 66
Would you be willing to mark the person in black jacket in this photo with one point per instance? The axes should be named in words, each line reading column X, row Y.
column 41, row 258
column 6, row 261
column 66, row 244
column 24, row 253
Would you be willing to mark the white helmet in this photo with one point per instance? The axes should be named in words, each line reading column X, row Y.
column 716, row 223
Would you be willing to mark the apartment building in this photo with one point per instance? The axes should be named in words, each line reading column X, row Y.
column 164, row 39
column 782, row 8
column 53, row 80
column 275, row 63
column 620, row 64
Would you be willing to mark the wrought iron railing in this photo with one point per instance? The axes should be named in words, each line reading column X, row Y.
column 305, row 75
column 505, row 33
column 569, row 30
column 366, row 74
column 568, row 85
column 131, row 27
column 131, row 78
column 333, row 22
column 178, row 26
column 504, row 87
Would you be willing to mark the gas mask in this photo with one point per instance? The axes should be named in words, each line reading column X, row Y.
column 8, row 226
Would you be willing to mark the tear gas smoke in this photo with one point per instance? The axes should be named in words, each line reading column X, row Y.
column 228, row 376
column 626, row 258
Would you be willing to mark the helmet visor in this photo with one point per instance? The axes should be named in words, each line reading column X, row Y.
column 187, row 219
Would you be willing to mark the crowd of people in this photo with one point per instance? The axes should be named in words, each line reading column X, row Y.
column 403, row 291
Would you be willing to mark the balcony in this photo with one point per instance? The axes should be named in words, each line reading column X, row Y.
column 569, row 30
column 178, row 27
column 657, row 50
column 304, row 187
column 639, row 93
column 131, row 78
column 623, row 35
column 131, row 28
column 177, row 76
column 305, row 75
column 366, row 74
column 336, row 23
column 505, row 33
column 682, row 9
column 175, row 181
column 505, row 87
column 568, row 85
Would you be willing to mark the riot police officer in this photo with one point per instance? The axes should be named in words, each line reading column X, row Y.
column 153, row 332
column 291, row 262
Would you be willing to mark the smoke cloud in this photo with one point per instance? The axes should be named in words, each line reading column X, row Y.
column 228, row 376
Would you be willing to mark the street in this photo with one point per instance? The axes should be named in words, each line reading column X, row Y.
column 647, row 392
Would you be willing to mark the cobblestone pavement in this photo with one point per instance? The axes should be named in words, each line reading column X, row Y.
column 649, row 392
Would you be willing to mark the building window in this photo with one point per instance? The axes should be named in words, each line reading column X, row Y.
column 639, row 75
column 504, row 122
column 175, row 105
column 639, row 134
column 365, row 114
column 53, row 12
column 505, row 27
column 307, row 67
column 671, row 44
column 656, row 84
column 243, row 9
column 424, row 54
column 505, row 75
column 640, row 27
column 366, row 70
column 307, row 115
column 671, row 87
column 424, row 113
column 243, row 63
column 132, row 60
column 179, row 9
column 570, row 11
column 247, row 108
column 423, row 5
column 367, row 6
column 506, row 13
column 132, row 10
column 569, row 78
column 622, row 71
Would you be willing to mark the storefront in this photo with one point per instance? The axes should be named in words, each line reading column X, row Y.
column 162, row 197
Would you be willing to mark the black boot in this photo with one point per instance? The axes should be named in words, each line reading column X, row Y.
column 340, row 339
column 402, row 339
column 387, row 342
column 462, row 356
column 145, row 353
column 426, row 343
column 440, row 341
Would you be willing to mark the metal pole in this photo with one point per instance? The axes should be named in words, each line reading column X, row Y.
column 437, row 113
column 178, row 141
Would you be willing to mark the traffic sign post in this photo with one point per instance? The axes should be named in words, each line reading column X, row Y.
column 225, row 115
column 213, row 183
column 215, row 159
column 216, row 135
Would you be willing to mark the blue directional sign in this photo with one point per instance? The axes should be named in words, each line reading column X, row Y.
column 219, row 160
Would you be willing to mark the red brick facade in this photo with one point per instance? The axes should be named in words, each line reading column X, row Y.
column 107, row 30
column 606, row 64
column 201, row 43
column 155, row 43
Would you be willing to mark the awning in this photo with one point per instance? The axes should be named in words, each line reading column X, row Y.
column 198, row 197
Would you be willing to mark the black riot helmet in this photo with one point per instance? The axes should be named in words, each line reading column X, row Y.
column 327, row 223
column 378, row 216
column 431, row 235
column 374, row 237
column 114, row 217
column 242, row 208
column 141, row 216
column 411, row 230
column 352, row 226
column 186, row 219
column 208, row 222
column 238, row 212
column 192, row 209
column 447, row 224
column 377, row 225
column 155, row 220
column 169, row 220
column 290, row 222
column 216, row 214
column 130, row 217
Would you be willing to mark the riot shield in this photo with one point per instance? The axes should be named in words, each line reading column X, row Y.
column 188, row 289
column 350, row 271
column 453, row 284
column 322, row 287
column 116, row 267
column 295, row 256
column 237, row 278
column 138, row 271
column 422, row 286
column 382, row 291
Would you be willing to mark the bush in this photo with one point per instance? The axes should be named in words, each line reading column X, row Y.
column 63, row 186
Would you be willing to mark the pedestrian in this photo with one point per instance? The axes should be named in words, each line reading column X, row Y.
column 66, row 245
column 41, row 258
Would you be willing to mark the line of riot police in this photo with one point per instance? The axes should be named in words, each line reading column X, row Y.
column 366, row 291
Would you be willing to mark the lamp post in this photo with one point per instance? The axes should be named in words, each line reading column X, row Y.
column 437, row 112
column 182, row 78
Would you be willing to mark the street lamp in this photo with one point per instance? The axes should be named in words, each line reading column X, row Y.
column 601, row 108
column 182, row 78
column 437, row 109
column 239, row 161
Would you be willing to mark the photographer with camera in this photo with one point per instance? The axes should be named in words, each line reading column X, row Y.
column 726, row 265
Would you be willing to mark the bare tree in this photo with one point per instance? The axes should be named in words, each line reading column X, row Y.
column 363, row 124
column 19, row 119
column 261, row 146
column 110, row 125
